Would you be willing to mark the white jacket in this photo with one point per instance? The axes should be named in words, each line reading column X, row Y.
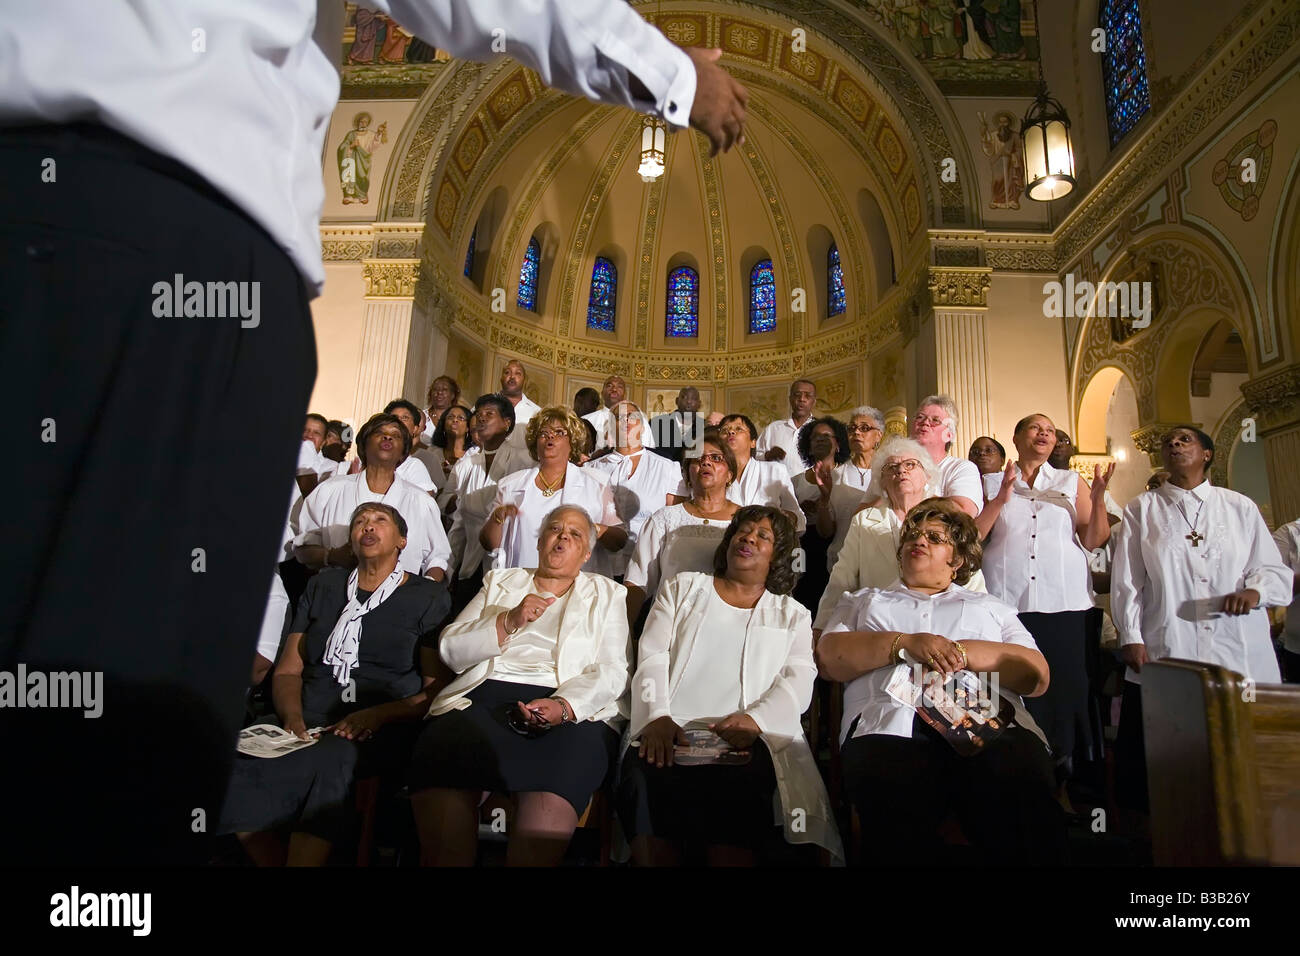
column 776, row 680
column 592, row 652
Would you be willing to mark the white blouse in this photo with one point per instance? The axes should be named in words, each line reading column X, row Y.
column 326, row 518
column 587, row 490
column 845, row 501
column 636, row 497
column 853, row 476
column 1287, row 539
column 762, row 483
column 672, row 541
column 529, row 656
column 1033, row 559
column 414, row 471
column 955, row 613
column 708, row 688
column 1167, row 592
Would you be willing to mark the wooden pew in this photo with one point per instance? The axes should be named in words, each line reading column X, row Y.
column 1223, row 770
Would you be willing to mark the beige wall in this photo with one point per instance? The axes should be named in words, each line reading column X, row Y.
column 1026, row 356
column 336, row 314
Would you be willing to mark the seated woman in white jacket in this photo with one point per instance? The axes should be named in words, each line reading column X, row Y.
column 729, row 652
column 536, row 711
column 905, row 777
column 869, row 556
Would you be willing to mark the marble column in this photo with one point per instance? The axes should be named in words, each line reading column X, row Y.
column 1274, row 401
column 959, row 299
column 385, row 334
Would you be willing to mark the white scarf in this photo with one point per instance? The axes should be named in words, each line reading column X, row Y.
column 341, row 650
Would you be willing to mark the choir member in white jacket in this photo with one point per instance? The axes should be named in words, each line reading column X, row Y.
column 1194, row 569
column 728, row 652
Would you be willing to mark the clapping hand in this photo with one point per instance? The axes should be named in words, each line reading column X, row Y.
column 1008, row 484
column 823, row 475
column 1100, row 480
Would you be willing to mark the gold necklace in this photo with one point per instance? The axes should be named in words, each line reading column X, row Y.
column 551, row 489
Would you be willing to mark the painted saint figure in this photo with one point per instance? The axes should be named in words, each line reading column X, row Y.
column 1003, row 148
column 354, row 158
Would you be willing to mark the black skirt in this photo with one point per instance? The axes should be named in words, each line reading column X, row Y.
column 708, row 806
column 475, row 749
column 1063, row 712
column 310, row 790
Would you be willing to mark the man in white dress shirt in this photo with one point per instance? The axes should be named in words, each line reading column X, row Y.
column 1194, row 568
column 934, row 427
column 611, row 393
column 783, row 436
column 208, row 118
column 313, row 467
column 513, row 379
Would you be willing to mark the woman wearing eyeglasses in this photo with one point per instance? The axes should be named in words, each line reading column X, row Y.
column 757, row 482
column 639, row 479
column 869, row 555
column 556, row 439
column 1039, row 525
column 904, row 776
column 684, row 536
column 866, row 430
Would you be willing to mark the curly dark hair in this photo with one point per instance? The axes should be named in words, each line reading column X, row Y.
column 780, row 573
column 372, row 425
column 841, row 440
column 440, row 432
column 961, row 528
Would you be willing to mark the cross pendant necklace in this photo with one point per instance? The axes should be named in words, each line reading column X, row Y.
column 1195, row 537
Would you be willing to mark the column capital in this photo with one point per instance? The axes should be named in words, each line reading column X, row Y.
column 390, row 278
column 965, row 287
column 1274, row 399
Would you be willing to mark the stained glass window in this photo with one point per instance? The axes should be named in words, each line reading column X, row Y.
column 469, row 254
column 527, row 298
column 834, row 282
column 683, row 302
column 1123, row 66
column 762, row 297
column 604, row 295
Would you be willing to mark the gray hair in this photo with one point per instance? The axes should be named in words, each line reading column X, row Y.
column 576, row 509
column 869, row 411
column 609, row 437
column 898, row 447
column 950, row 409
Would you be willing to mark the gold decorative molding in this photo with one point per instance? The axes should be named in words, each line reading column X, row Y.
column 390, row 278
column 1084, row 465
column 961, row 287
column 1274, row 400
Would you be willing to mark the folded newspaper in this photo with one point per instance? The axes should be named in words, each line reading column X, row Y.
column 268, row 740
column 963, row 708
column 704, row 747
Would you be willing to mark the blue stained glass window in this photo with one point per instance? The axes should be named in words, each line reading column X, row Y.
column 527, row 298
column 1123, row 67
column 604, row 295
column 683, row 303
column 469, row 254
column 762, row 297
column 834, row 282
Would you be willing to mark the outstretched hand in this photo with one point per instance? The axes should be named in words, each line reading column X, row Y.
column 720, row 101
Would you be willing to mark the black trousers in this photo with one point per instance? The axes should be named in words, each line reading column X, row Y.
column 1131, row 790
column 151, row 465
column 904, row 788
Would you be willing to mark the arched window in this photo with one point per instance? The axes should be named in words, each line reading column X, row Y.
column 834, row 282
column 1123, row 66
column 683, row 303
column 527, row 298
column 469, row 254
column 762, row 297
column 604, row 295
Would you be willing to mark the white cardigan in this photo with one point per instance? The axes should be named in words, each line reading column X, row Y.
column 869, row 559
column 776, row 681
column 592, row 647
